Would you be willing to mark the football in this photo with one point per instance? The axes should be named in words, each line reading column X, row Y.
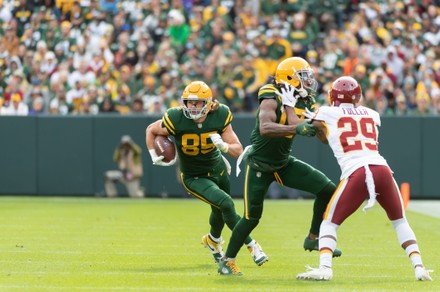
column 164, row 147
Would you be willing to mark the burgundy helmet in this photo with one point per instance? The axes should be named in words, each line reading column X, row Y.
column 345, row 89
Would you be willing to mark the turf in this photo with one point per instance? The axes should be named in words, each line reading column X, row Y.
column 88, row 244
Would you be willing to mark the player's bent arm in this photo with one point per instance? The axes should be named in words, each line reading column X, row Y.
column 153, row 130
column 292, row 118
column 267, row 118
column 235, row 147
column 322, row 131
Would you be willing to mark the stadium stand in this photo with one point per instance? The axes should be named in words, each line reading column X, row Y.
column 67, row 57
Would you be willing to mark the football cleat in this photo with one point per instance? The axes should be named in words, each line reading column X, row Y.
column 422, row 274
column 258, row 254
column 320, row 274
column 313, row 244
column 228, row 268
column 215, row 247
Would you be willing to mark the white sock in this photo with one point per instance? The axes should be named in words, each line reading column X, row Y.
column 325, row 260
column 215, row 239
column 327, row 236
column 405, row 233
column 252, row 243
column 413, row 253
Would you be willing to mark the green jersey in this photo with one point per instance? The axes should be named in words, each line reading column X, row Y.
column 272, row 153
column 197, row 154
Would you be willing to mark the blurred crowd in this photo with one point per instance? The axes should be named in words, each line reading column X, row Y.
column 70, row 57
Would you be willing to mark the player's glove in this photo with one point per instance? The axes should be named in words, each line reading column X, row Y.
column 219, row 143
column 306, row 129
column 158, row 160
column 308, row 114
column 287, row 94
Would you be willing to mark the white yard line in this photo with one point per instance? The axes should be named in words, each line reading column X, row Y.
column 431, row 208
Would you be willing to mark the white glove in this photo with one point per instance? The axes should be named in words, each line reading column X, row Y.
column 308, row 114
column 287, row 95
column 157, row 160
column 228, row 165
column 219, row 143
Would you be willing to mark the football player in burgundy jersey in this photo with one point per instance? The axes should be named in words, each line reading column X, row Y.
column 352, row 133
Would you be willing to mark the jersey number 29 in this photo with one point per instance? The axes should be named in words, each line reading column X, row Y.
column 365, row 127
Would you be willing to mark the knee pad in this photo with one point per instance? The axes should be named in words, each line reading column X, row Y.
column 403, row 230
column 328, row 228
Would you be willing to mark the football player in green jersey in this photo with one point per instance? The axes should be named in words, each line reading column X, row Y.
column 268, row 159
column 202, row 130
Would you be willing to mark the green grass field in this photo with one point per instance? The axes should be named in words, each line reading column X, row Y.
column 88, row 244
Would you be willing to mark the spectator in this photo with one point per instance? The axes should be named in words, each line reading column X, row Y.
column 279, row 49
column 137, row 106
column 37, row 106
column 154, row 38
column 57, row 108
column 49, row 64
column 16, row 107
column 395, row 65
column 107, row 106
column 123, row 99
column 82, row 74
column 301, row 35
column 11, row 41
column 401, row 109
column 128, row 156
column 5, row 13
column 22, row 13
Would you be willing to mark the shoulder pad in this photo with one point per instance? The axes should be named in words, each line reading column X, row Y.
column 171, row 118
column 225, row 114
column 267, row 91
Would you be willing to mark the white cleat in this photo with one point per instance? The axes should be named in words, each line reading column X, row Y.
column 320, row 274
column 422, row 274
column 258, row 254
column 215, row 247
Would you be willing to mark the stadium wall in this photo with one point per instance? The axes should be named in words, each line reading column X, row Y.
column 53, row 155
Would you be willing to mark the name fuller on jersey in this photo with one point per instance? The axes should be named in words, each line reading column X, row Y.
column 355, row 112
